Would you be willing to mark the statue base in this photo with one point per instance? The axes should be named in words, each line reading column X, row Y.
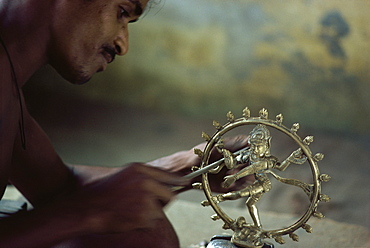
column 224, row 241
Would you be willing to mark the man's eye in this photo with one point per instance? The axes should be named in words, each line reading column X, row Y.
column 123, row 13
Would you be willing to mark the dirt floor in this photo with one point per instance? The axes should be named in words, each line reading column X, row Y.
column 87, row 132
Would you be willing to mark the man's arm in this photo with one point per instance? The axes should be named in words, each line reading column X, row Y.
column 71, row 203
column 41, row 227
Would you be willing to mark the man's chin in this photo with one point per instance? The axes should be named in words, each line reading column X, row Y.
column 78, row 79
column 82, row 81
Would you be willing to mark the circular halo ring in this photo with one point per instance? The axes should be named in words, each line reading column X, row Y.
column 305, row 149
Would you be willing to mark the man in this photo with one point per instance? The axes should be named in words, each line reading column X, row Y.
column 75, row 206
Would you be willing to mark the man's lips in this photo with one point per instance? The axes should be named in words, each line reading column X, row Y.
column 109, row 54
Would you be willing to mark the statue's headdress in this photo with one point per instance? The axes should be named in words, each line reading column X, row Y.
column 260, row 135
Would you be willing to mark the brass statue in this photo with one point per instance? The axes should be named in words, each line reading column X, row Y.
column 257, row 160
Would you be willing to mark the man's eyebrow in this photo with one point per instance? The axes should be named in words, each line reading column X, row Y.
column 138, row 7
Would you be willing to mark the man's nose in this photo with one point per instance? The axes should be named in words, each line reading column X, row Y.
column 121, row 42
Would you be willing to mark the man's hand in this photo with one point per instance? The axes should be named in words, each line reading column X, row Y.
column 131, row 199
column 182, row 162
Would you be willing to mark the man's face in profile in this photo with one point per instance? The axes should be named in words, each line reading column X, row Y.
column 87, row 35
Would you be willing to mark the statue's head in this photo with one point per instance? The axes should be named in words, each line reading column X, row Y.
column 260, row 140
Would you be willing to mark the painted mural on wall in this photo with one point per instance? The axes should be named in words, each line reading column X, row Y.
column 306, row 58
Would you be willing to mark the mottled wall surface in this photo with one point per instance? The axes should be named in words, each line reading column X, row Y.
column 308, row 59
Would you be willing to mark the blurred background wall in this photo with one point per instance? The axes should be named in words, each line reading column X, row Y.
column 306, row 58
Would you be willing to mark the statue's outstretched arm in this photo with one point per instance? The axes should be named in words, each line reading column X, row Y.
column 229, row 180
column 297, row 157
